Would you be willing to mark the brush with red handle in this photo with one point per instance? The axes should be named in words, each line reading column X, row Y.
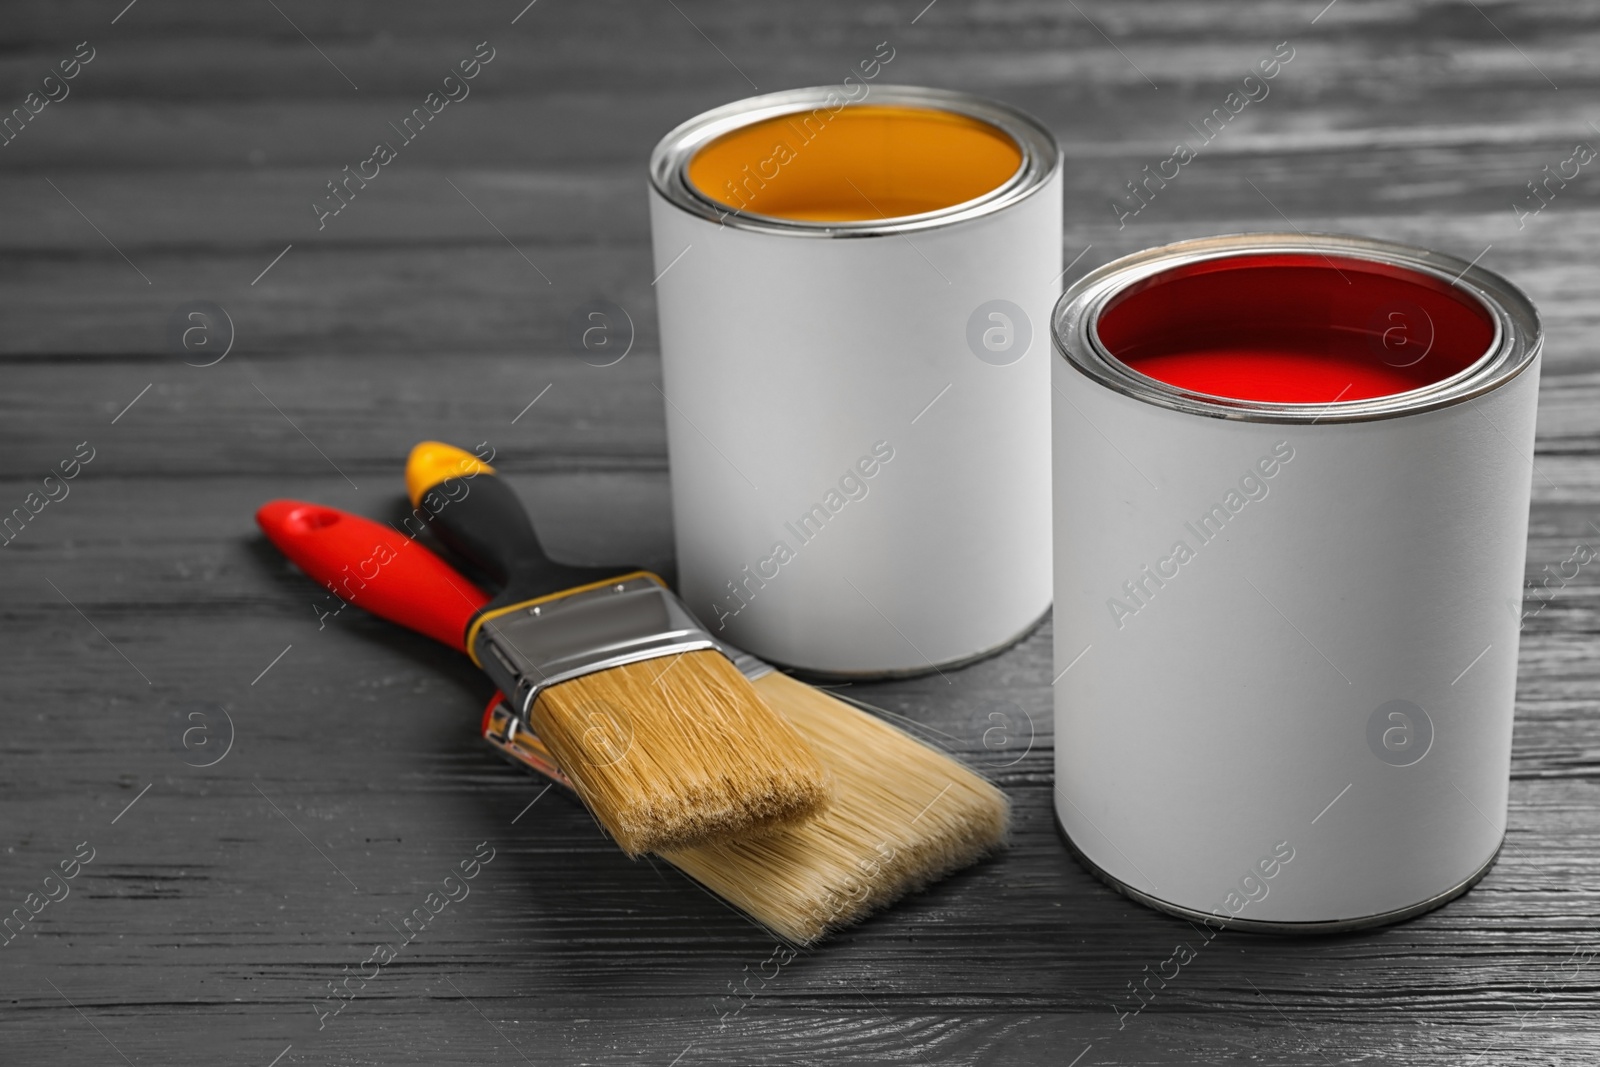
column 660, row 733
column 903, row 815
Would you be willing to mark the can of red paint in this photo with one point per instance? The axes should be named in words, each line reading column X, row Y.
column 853, row 292
column 1291, row 484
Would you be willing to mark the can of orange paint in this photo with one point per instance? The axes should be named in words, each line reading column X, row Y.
column 853, row 298
column 1292, row 478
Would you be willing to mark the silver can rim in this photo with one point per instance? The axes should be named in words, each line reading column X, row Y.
column 1041, row 159
column 1516, row 344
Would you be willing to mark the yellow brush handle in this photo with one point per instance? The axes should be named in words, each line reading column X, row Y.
column 431, row 462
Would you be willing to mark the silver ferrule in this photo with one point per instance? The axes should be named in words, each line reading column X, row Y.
column 526, row 651
column 506, row 727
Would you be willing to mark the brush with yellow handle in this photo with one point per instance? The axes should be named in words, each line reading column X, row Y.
column 901, row 815
column 660, row 734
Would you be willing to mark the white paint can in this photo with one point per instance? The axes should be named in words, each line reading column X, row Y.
column 1291, row 506
column 853, row 298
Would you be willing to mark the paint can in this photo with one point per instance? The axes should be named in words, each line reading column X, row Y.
column 853, row 300
column 1291, row 481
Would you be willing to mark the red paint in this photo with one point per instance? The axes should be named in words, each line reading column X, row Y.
column 1295, row 328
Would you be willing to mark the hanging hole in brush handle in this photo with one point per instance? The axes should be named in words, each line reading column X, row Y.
column 375, row 567
column 479, row 517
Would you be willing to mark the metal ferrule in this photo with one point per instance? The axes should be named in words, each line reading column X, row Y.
column 556, row 640
column 506, row 726
column 503, row 729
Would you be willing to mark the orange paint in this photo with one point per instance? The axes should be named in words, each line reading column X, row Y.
column 861, row 162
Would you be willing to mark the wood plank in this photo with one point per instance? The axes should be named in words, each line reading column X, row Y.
column 217, row 908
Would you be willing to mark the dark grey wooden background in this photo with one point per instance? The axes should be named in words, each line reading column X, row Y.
column 220, row 905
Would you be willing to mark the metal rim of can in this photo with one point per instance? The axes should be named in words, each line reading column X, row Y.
column 1041, row 158
column 1516, row 342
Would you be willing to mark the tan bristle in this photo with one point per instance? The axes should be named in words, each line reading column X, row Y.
column 902, row 816
column 679, row 751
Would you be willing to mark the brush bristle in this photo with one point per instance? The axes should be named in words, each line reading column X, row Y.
column 680, row 751
column 902, row 815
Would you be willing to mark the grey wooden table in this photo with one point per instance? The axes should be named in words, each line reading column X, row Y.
column 180, row 165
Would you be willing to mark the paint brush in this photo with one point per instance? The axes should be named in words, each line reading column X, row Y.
column 902, row 814
column 662, row 736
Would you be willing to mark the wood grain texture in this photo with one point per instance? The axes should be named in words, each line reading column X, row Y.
column 220, row 905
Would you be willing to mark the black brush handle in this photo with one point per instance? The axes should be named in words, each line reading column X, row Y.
column 479, row 517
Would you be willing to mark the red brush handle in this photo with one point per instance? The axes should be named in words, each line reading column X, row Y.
column 374, row 567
